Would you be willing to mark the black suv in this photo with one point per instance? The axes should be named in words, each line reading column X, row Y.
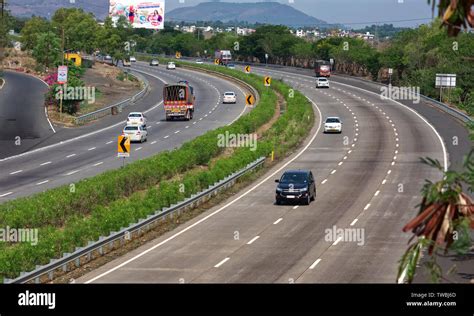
column 296, row 185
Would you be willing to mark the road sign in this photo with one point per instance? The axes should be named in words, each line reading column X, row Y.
column 249, row 99
column 123, row 146
column 445, row 81
column 62, row 74
column 247, row 69
column 267, row 81
column 266, row 56
column 216, row 61
column 390, row 71
column 178, row 55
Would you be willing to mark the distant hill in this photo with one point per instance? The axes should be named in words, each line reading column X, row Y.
column 261, row 12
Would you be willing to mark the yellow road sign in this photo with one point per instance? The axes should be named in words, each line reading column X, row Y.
column 216, row 61
column 178, row 55
column 267, row 81
column 123, row 146
column 247, row 69
column 249, row 99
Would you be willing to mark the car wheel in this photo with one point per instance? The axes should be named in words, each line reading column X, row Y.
column 308, row 200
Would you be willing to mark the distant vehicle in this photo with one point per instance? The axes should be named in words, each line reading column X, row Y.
column 108, row 57
column 199, row 61
column 154, row 62
column 223, row 56
column 171, row 65
column 231, row 66
column 133, row 59
column 322, row 82
column 333, row 124
column 179, row 100
column 126, row 63
column 322, row 68
column 136, row 118
column 136, row 133
column 229, row 97
column 296, row 185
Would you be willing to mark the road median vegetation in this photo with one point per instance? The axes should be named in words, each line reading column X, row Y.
column 70, row 216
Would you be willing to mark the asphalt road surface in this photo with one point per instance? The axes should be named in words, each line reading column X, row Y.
column 368, row 181
column 73, row 154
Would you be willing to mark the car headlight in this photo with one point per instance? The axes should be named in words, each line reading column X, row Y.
column 278, row 189
column 304, row 189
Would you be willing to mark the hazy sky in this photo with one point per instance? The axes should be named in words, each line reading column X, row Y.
column 348, row 11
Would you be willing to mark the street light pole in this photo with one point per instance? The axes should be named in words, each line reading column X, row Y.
column 62, row 94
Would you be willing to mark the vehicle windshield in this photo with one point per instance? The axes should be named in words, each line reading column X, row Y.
column 135, row 115
column 229, row 93
column 322, row 79
column 333, row 120
column 131, row 128
column 293, row 178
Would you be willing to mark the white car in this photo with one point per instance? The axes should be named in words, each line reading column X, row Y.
column 154, row 62
column 199, row 61
column 229, row 97
column 133, row 59
column 322, row 82
column 136, row 133
column 171, row 65
column 333, row 125
column 136, row 118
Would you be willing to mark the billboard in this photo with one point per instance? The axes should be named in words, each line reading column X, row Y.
column 140, row 13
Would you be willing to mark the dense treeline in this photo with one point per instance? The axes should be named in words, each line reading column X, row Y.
column 416, row 55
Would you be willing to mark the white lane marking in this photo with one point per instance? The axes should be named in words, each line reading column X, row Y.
column 277, row 221
column 153, row 142
column 187, row 126
column 194, row 123
column 324, row 181
column 345, row 157
column 218, row 210
column 377, row 193
column 157, row 123
column 253, row 239
column 367, row 207
column 72, row 172
column 5, row 194
column 295, row 207
column 333, row 172
column 340, row 163
column 177, row 132
column 139, row 148
column 45, row 163
column 91, row 148
column 109, row 142
column 349, row 151
column 384, row 181
column 354, row 221
column 47, row 117
column 389, row 172
column 98, row 164
column 200, row 119
column 314, row 264
column 221, row 263
column 42, row 182
column 72, row 155
column 337, row 241
column 166, row 136
column 15, row 172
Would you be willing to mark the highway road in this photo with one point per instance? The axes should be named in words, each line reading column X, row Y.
column 368, row 181
column 22, row 115
column 73, row 154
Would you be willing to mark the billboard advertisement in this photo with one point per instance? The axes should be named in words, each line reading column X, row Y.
column 140, row 13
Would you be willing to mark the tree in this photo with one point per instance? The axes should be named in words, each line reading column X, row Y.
column 33, row 27
column 48, row 49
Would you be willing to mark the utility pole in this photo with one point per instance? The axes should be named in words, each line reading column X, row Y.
column 62, row 94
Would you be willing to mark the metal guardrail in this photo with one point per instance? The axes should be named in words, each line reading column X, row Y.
column 70, row 261
column 120, row 105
